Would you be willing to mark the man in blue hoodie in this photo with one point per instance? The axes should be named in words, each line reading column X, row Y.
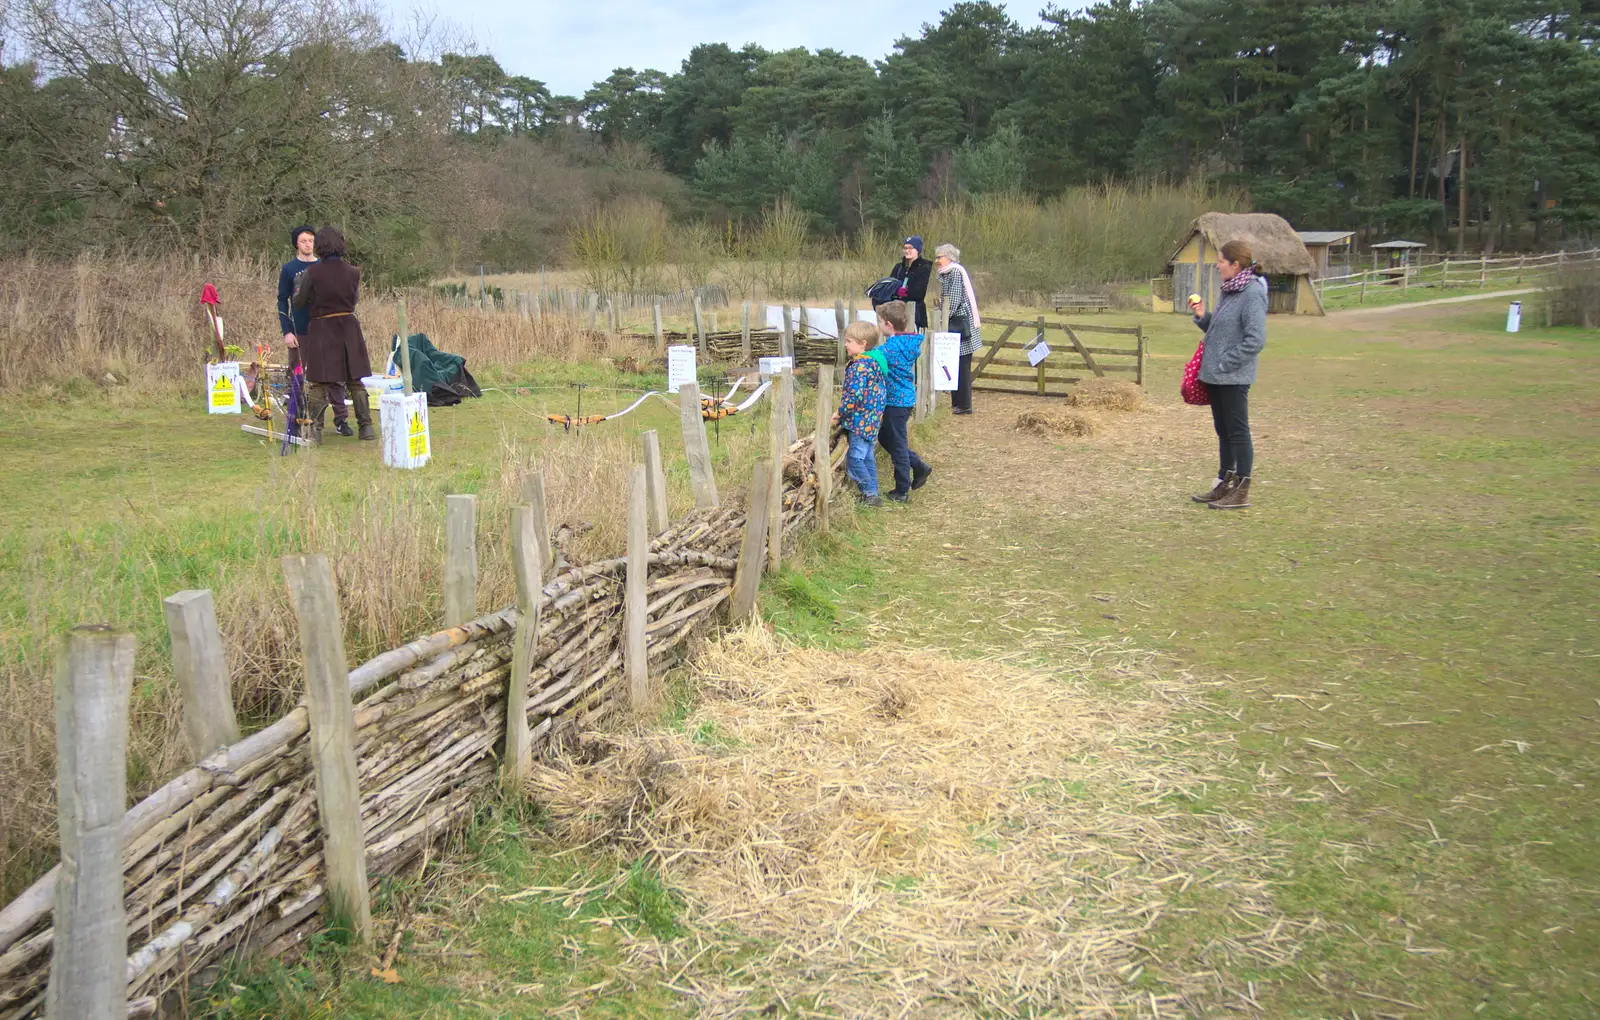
column 900, row 350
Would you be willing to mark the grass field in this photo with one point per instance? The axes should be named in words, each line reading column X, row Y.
column 1384, row 672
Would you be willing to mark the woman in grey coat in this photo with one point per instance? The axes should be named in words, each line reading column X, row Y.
column 1235, row 334
column 955, row 289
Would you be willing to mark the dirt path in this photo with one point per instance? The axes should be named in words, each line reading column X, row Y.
column 1464, row 299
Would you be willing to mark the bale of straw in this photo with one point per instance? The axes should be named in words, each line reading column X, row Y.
column 1053, row 424
column 1107, row 394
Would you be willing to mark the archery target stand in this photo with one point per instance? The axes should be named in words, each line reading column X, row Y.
column 403, row 419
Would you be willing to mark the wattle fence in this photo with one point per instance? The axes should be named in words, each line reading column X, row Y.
column 275, row 834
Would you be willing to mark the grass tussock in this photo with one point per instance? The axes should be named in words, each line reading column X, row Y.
column 1055, row 424
column 855, row 817
column 1107, row 394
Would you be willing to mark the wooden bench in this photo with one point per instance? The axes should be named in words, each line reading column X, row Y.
column 1082, row 302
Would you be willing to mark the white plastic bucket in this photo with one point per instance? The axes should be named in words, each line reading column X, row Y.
column 378, row 385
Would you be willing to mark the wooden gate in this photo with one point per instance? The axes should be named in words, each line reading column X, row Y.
column 1070, row 360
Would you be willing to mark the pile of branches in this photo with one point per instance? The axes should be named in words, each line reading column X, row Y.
column 226, row 857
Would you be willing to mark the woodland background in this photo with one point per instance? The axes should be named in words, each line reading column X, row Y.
column 209, row 126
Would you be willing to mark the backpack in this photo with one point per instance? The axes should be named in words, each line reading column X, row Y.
column 884, row 291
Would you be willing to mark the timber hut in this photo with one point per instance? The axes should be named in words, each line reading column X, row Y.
column 1289, row 267
column 1323, row 245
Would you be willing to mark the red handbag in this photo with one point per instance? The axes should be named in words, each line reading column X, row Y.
column 1194, row 391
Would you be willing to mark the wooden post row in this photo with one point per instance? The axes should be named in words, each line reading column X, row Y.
column 525, row 560
column 635, row 584
column 655, row 481
column 88, row 962
column 695, row 447
column 460, row 559
column 822, row 455
column 752, row 548
column 201, row 670
column 333, row 752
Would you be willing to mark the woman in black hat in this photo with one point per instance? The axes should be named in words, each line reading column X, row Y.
column 913, row 272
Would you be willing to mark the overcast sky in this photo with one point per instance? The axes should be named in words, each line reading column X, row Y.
column 570, row 45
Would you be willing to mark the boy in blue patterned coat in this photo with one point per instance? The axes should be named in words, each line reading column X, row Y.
column 861, row 407
column 901, row 349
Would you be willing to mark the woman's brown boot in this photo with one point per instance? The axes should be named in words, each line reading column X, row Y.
column 1224, row 484
column 1237, row 498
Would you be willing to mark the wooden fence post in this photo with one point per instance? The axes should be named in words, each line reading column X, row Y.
column 786, row 336
column 744, row 334
column 842, row 323
column 201, row 670
column 635, row 651
column 460, row 559
column 655, row 481
column 804, row 317
column 1138, row 370
column 533, row 498
column 332, row 744
column 695, row 447
column 1444, row 275
column 88, row 962
column 594, row 307
column 661, row 339
column 1483, row 271
column 780, row 447
column 699, row 325
column 752, row 548
column 822, row 456
column 525, row 558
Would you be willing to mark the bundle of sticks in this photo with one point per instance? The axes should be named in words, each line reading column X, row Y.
column 227, row 856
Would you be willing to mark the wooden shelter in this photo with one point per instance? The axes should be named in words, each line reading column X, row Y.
column 1321, row 244
column 1289, row 267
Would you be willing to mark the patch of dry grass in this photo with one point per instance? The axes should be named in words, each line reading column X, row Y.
column 1053, row 423
column 893, row 833
column 1109, row 394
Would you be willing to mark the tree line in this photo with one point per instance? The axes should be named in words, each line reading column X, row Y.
column 208, row 125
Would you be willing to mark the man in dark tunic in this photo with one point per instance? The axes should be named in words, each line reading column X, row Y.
column 293, row 320
column 334, row 351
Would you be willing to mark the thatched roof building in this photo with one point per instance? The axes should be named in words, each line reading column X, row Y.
column 1289, row 266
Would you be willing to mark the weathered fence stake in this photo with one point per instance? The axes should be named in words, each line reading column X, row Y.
column 752, row 549
column 594, row 308
column 661, row 339
column 699, row 325
column 840, row 322
column 695, row 447
column 460, row 559
column 533, row 499
column 805, row 322
column 786, row 336
column 655, row 481
column 333, row 751
column 744, row 334
column 201, row 670
column 525, row 566
column 822, row 455
column 88, row 963
column 635, row 651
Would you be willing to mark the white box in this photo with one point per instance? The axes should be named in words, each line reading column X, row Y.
column 222, row 388
column 946, row 360
column 772, row 366
column 1514, row 317
column 404, row 422
column 680, row 366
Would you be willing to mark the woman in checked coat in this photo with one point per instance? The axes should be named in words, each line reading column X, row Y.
column 955, row 287
column 333, row 351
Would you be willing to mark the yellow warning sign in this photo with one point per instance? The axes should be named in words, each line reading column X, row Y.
column 222, row 394
column 418, row 437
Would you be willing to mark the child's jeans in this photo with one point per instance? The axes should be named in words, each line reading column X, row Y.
column 861, row 463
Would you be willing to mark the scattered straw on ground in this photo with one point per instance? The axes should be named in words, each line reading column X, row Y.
column 1111, row 394
column 1053, row 423
column 888, row 833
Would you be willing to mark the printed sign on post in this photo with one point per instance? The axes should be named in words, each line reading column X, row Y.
column 772, row 366
column 680, row 366
column 946, row 360
column 222, row 388
column 404, row 422
column 1037, row 353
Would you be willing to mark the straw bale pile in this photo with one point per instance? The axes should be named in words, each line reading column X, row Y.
column 1110, row 394
column 889, row 833
column 1053, row 423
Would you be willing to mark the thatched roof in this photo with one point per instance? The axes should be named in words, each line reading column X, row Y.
column 1275, row 244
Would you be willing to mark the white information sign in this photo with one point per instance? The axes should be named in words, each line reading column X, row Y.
column 1037, row 353
column 946, row 360
column 772, row 366
column 680, row 366
column 1514, row 318
column 404, row 423
column 222, row 388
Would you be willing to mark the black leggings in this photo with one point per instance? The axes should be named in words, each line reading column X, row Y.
column 1230, row 412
